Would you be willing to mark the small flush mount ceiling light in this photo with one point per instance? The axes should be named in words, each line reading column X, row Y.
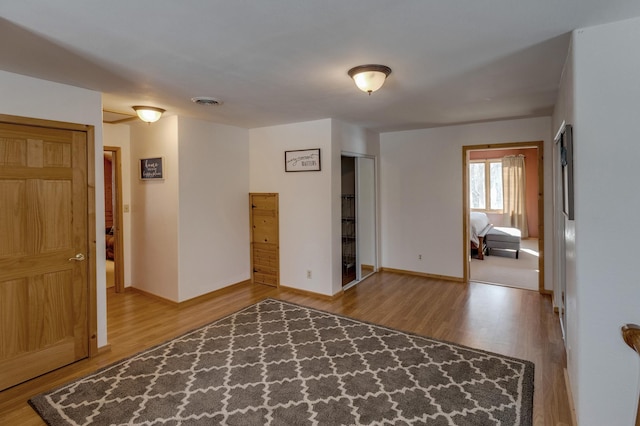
column 369, row 78
column 147, row 113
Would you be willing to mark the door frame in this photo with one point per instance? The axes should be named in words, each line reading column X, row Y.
column 559, row 241
column 118, row 217
column 466, row 252
column 92, row 326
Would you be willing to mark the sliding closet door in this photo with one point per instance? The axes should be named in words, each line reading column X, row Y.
column 366, row 223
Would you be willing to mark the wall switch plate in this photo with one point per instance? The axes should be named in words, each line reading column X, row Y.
column 125, row 208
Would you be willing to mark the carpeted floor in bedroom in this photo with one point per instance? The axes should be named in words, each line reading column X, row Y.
column 501, row 267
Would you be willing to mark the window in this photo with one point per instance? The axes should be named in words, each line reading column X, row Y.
column 485, row 185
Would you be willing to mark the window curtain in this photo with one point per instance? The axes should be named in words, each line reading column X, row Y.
column 514, row 188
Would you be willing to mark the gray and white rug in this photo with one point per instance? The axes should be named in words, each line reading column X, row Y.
column 284, row 364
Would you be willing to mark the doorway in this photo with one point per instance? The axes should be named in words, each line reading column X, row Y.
column 113, row 213
column 358, row 203
column 523, row 268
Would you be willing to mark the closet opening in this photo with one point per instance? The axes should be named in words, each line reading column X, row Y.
column 358, row 203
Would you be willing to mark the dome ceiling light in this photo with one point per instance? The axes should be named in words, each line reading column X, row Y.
column 369, row 78
column 148, row 114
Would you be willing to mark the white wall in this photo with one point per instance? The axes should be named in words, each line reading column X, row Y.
column 564, row 235
column 30, row 97
column 154, row 210
column 307, row 238
column 119, row 135
column 421, row 192
column 214, row 206
column 355, row 139
column 604, row 372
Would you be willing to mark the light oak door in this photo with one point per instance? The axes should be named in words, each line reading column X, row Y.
column 43, row 247
column 265, row 246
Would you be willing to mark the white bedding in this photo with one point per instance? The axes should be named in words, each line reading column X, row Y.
column 479, row 226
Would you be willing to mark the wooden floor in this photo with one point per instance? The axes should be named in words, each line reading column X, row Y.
column 509, row 321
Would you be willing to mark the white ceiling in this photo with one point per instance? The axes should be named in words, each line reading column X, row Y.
column 283, row 61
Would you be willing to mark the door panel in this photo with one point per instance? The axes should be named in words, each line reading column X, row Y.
column 264, row 227
column 366, row 220
column 43, row 223
column 265, row 263
column 13, row 222
column 265, row 257
column 54, row 197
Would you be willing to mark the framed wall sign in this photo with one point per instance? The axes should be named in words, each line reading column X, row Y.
column 152, row 168
column 302, row 160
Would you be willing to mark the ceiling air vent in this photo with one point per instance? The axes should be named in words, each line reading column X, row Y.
column 206, row 100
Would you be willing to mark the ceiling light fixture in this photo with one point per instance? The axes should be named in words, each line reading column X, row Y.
column 148, row 114
column 369, row 78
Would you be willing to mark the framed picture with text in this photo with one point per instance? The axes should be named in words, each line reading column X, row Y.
column 302, row 160
column 152, row 168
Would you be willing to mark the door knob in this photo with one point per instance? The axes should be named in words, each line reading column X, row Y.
column 78, row 257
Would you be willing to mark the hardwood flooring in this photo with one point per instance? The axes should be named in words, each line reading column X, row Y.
column 513, row 322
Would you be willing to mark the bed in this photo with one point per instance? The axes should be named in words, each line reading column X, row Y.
column 479, row 226
column 109, row 242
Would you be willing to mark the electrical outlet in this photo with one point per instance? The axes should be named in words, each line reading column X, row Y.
column 309, row 274
column 419, row 257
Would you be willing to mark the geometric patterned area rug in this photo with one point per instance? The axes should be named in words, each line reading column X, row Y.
column 284, row 364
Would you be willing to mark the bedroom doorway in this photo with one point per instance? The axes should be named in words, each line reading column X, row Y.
column 113, row 215
column 520, row 207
